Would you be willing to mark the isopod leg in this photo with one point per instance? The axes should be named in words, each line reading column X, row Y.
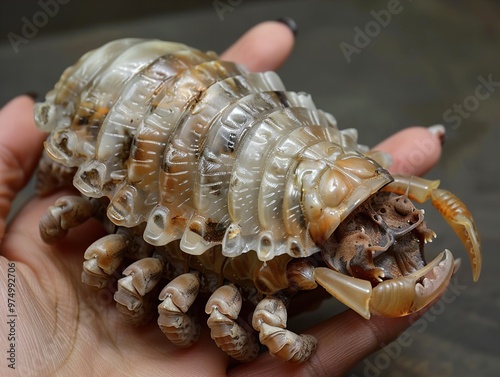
column 237, row 341
column 269, row 319
column 460, row 219
column 52, row 175
column 178, row 296
column 102, row 258
column 66, row 213
column 132, row 298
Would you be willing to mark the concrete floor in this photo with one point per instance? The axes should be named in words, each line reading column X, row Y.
column 417, row 69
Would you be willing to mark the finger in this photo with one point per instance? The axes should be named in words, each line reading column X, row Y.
column 342, row 342
column 20, row 148
column 265, row 47
column 414, row 150
column 360, row 338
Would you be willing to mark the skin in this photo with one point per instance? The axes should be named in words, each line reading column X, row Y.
column 64, row 328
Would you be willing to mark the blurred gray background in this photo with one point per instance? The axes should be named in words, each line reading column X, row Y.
column 421, row 67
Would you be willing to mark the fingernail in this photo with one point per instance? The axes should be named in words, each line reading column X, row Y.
column 439, row 130
column 33, row 95
column 292, row 25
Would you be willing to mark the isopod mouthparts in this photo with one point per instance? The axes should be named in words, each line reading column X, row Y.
column 213, row 179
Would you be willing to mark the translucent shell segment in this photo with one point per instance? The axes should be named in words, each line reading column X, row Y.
column 198, row 149
column 62, row 101
column 181, row 97
column 180, row 163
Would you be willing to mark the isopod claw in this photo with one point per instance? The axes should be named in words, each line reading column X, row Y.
column 391, row 298
column 411, row 293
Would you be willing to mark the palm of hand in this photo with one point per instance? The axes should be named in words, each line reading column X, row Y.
column 69, row 320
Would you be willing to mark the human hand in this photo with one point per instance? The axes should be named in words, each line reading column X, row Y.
column 65, row 328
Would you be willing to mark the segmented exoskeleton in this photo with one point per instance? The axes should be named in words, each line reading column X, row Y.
column 214, row 177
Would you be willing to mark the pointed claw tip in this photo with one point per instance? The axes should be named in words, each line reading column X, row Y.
column 475, row 275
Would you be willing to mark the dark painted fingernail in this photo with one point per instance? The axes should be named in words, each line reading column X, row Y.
column 33, row 95
column 440, row 131
column 292, row 25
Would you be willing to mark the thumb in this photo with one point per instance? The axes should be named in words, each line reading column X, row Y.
column 20, row 148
